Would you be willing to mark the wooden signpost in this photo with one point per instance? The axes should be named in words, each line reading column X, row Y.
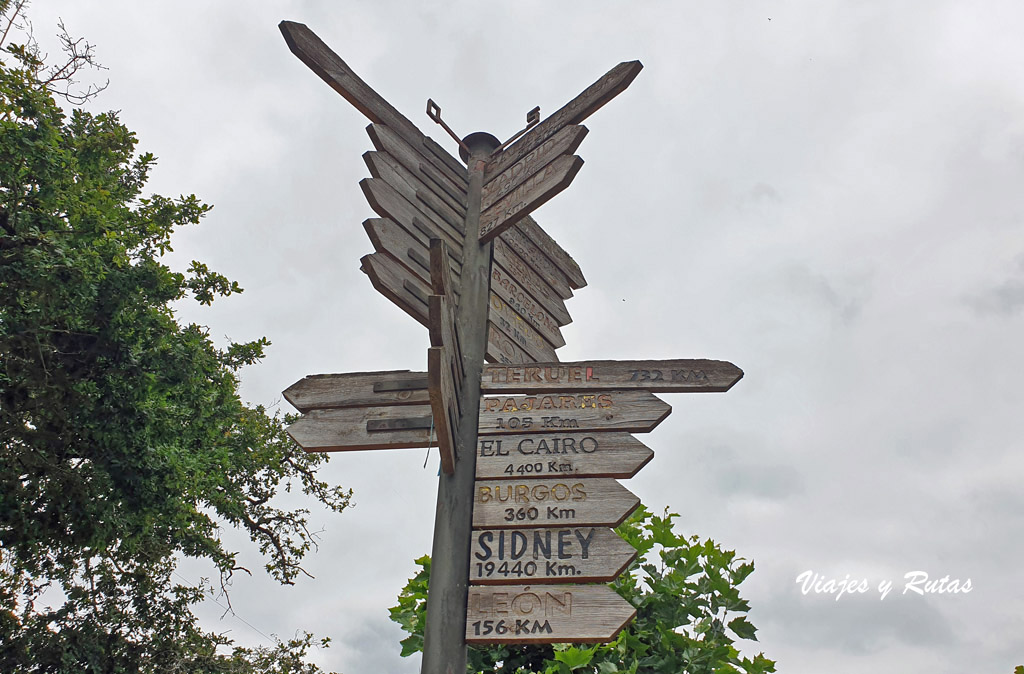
column 574, row 454
column 523, row 614
column 592, row 501
column 634, row 411
column 577, row 554
column 528, row 484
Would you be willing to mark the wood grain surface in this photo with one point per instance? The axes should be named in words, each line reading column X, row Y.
column 339, row 430
column 530, row 195
column 551, row 555
column 632, row 411
column 524, row 614
column 560, row 502
column 547, row 455
column 357, row 389
column 657, row 376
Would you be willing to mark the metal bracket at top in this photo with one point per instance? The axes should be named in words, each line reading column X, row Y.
column 532, row 119
column 434, row 113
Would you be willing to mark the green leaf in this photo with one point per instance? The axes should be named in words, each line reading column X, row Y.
column 574, row 657
column 742, row 628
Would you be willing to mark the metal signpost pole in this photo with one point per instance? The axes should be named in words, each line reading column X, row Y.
column 444, row 647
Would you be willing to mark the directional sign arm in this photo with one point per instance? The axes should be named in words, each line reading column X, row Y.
column 559, row 412
column 445, row 372
column 529, row 196
column 553, row 555
column 564, row 142
column 661, row 376
column 514, row 241
column 521, row 614
column 567, row 501
column 338, row 430
column 322, row 60
column 574, row 112
column 570, row 454
column 558, row 255
column 358, row 389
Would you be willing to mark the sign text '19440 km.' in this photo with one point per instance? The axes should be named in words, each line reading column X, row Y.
column 526, row 614
column 572, row 554
column 594, row 501
column 618, row 455
column 633, row 411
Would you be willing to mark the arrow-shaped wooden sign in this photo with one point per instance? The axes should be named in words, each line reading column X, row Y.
column 510, row 338
column 345, row 429
column 446, row 185
column 551, row 455
column 322, row 60
column 517, row 307
column 540, row 341
column 525, row 614
column 552, row 251
column 565, row 142
column 503, row 349
column 660, row 376
column 444, row 357
column 529, row 196
column 511, row 273
column 633, row 411
column 574, row 112
column 402, row 387
column 553, row 273
column 552, row 555
column 358, row 389
column 391, row 239
column 387, row 202
column 595, row 501
column 386, row 168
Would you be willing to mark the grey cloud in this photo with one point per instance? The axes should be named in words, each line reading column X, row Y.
column 845, row 303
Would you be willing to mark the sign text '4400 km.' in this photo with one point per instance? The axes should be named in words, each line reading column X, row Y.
column 614, row 454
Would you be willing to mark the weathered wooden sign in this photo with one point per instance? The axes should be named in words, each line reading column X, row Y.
column 441, row 180
column 522, row 331
column 575, row 111
column 552, row 251
column 399, row 387
column 551, row 555
column 530, row 195
column 503, row 349
column 661, row 376
column 358, row 389
column 633, row 411
column 570, row 501
column 444, row 357
column 512, row 279
column 354, row 428
column 617, row 455
column 512, row 339
column 564, row 142
column 527, row 614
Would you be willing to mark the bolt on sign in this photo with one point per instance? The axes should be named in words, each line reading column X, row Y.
column 528, row 490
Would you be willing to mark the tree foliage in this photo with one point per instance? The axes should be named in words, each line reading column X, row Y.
column 123, row 442
column 689, row 613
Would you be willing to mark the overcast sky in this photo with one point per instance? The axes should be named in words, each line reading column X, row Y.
column 827, row 194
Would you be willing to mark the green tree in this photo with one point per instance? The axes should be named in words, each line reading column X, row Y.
column 688, row 612
column 124, row 445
